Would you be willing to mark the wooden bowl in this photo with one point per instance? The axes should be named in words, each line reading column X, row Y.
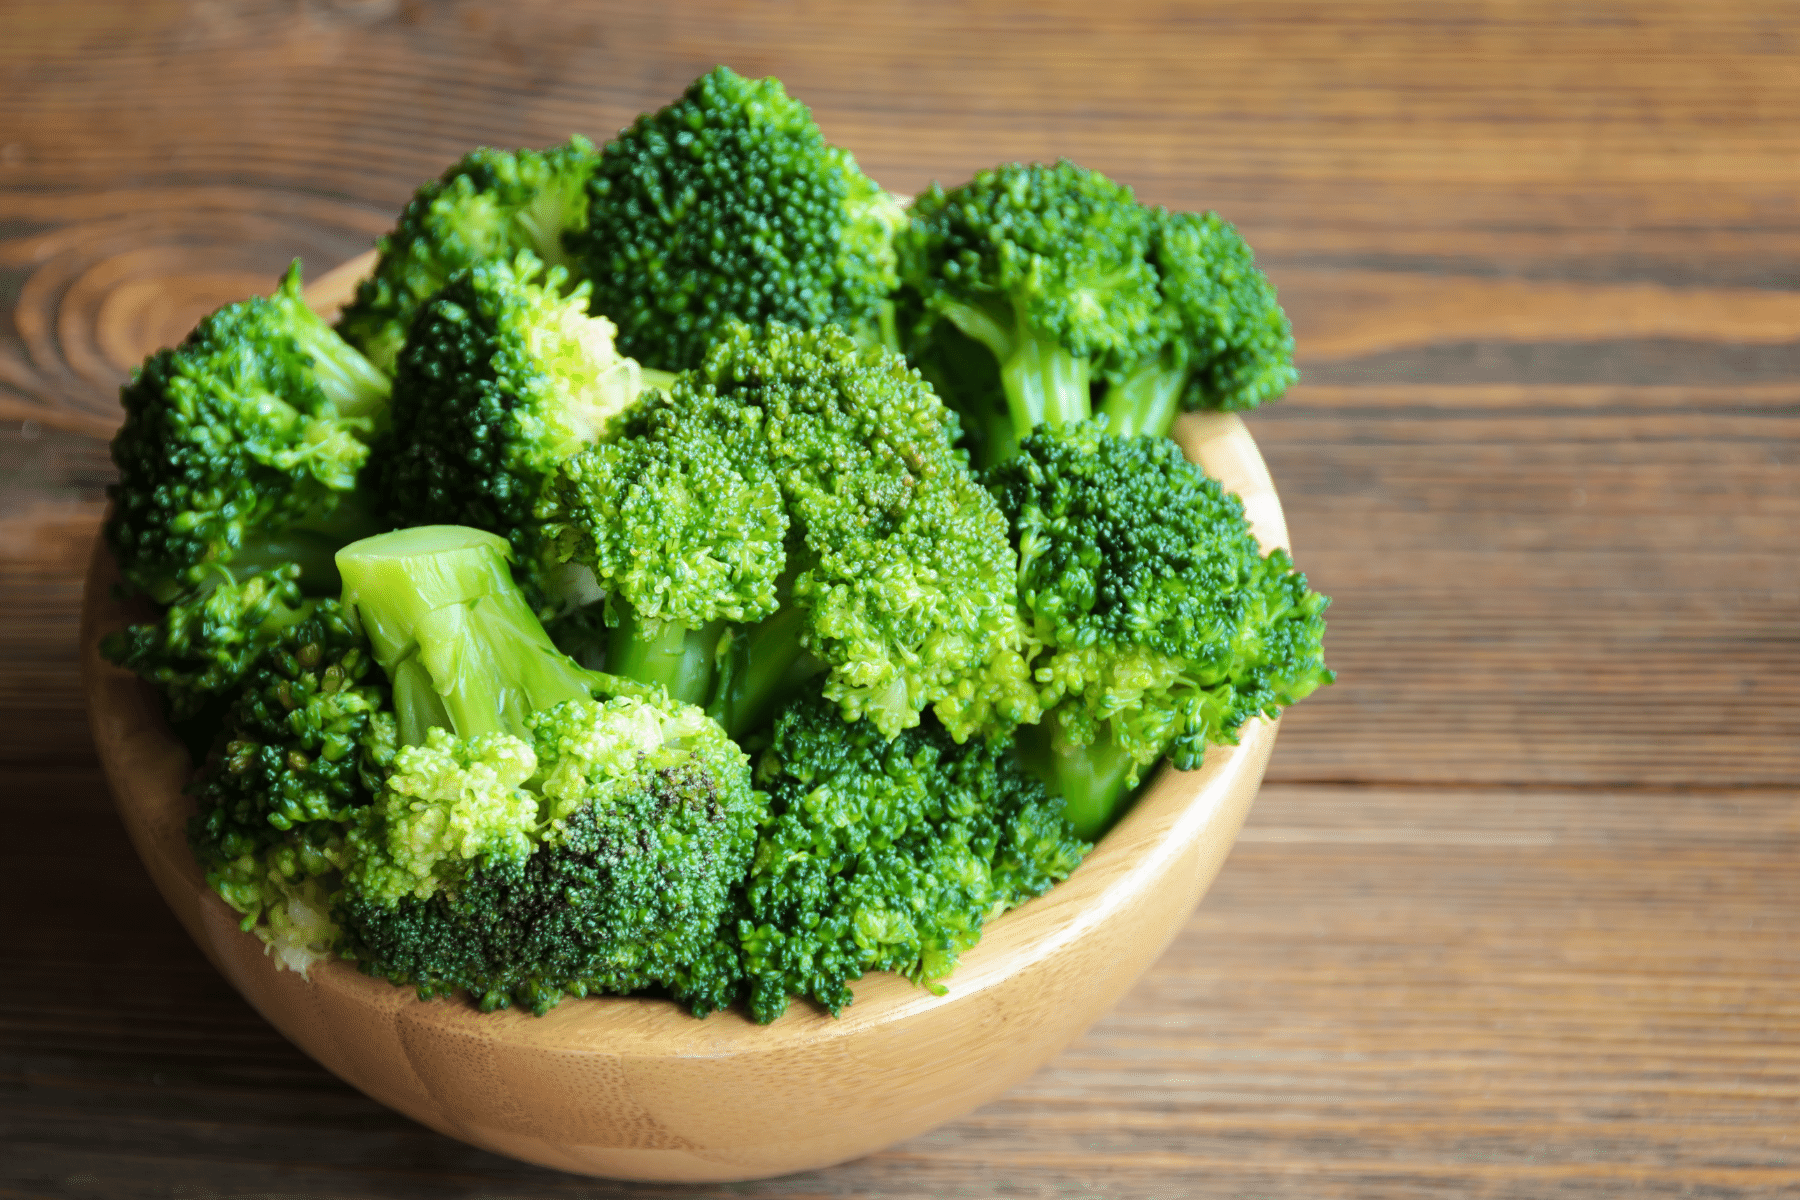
column 638, row 1089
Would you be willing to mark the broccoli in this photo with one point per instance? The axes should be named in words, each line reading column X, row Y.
column 306, row 742
column 1162, row 624
column 679, row 542
column 209, row 638
column 241, row 449
column 846, row 536
column 486, row 207
column 729, row 203
column 887, row 855
column 502, row 378
column 529, row 840
column 1030, row 288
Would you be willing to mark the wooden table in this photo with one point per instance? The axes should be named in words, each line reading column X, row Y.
column 1518, row 913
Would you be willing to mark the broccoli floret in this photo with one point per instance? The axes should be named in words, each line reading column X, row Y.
column 502, row 379
column 1163, row 626
column 209, row 638
column 305, row 745
column 729, row 203
column 678, row 542
column 887, row 855
column 241, row 449
column 1030, row 289
column 600, row 855
column 476, row 866
column 895, row 578
column 486, row 207
column 1227, row 345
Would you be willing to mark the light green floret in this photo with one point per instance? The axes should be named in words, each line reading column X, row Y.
column 449, row 803
column 677, row 541
column 887, row 563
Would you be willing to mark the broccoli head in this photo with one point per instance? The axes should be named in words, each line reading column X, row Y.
column 1032, row 292
column 503, row 378
column 887, row 855
column 1162, row 624
column 241, row 449
column 306, row 744
column 1226, row 346
column 486, row 207
column 678, row 541
column 730, row 203
column 208, row 638
column 895, row 577
column 600, row 855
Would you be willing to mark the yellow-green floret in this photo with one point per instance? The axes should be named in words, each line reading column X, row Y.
column 597, row 854
column 894, row 579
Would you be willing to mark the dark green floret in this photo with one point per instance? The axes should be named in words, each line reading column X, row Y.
column 209, row 638
column 486, row 207
column 503, row 378
column 1163, row 624
column 894, row 580
column 1034, row 293
column 730, row 203
column 241, row 449
column 305, row 745
column 1226, row 344
column 887, row 855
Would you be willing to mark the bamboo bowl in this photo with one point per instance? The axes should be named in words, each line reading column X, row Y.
column 638, row 1089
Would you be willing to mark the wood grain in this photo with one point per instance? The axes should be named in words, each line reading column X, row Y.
column 1510, row 923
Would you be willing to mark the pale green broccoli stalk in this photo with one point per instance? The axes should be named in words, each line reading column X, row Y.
column 887, row 855
column 503, row 379
column 485, row 208
column 894, row 580
column 1163, row 626
column 730, row 204
column 1033, row 293
column 460, row 645
column 242, row 448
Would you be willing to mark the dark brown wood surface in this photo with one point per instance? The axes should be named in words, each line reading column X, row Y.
column 1518, row 913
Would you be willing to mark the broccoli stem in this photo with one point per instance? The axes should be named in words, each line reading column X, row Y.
column 1043, row 382
column 763, row 669
column 1147, row 401
column 665, row 653
column 1094, row 781
column 454, row 632
column 1045, row 385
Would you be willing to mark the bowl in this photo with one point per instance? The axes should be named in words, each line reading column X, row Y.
column 637, row 1088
